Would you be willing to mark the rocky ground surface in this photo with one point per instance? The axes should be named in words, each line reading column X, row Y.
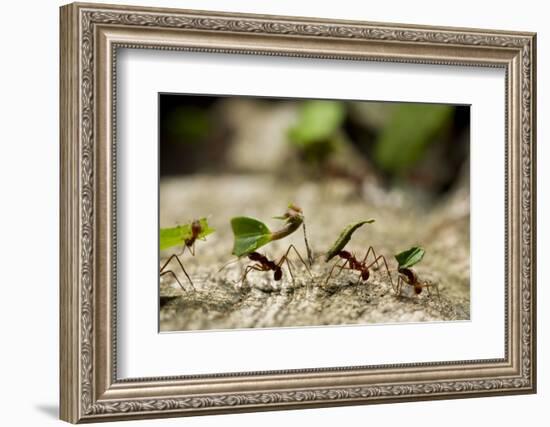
column 221, row 301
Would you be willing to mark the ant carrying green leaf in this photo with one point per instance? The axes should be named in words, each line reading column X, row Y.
column 251, row 234
column 406, row 260
column 187, row 235
column 350, row 261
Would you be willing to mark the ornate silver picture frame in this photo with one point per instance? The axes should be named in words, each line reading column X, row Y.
column 91, row 390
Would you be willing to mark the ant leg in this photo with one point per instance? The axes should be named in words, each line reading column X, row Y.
column 183, row 250
column 399, row 286
column 343, row 267
column 369, row 250
column 174, row 256
column 299, row 256
column 332, row 269
column 428, row 287
column 175, row 277
column 167, row 261
column 359, row 279
column 248, row 269
column 185, row 272
column 228, row 263
column 383, row 258
column 288, row 264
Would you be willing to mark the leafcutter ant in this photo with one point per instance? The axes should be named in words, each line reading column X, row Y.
column 350, row 261
column 407, row 275
column 251, row 234
column 187, row 234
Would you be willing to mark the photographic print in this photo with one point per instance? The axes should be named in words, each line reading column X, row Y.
column 308, row 212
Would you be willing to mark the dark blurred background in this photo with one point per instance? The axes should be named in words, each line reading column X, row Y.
column 424, row 147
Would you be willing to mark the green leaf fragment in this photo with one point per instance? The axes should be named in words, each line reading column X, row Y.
column 174, row 236
column 344, row 238
column 410, row 257
column 250, row 234
column 205, row 229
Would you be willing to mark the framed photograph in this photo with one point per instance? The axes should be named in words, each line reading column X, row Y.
column 266, row 212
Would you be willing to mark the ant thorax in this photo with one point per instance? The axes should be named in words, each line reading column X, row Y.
column 353, row 262
column 256, row 256
column 266, row 264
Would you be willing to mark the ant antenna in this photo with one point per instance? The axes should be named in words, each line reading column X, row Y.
column 308, row 249
column 227, row 263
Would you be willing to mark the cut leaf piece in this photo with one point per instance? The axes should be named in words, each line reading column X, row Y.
column 250, row 234
column 410, row 257
column 174, row 236
column 344, row 238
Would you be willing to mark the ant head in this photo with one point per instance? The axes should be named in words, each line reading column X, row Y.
column 293, row 207
column 365, row 275
column 293, row 214
column 278, row 274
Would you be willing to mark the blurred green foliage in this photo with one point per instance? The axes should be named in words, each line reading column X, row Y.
column 316, row 132
column 188, row 124
column 408, row 133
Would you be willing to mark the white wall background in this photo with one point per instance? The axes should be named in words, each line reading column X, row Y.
column 29, row 170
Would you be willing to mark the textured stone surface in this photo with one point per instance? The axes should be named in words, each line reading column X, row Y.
column 221, row 302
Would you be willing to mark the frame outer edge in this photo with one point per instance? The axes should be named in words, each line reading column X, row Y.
column 78, row 340
column 533, row 207
column 69, row 355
